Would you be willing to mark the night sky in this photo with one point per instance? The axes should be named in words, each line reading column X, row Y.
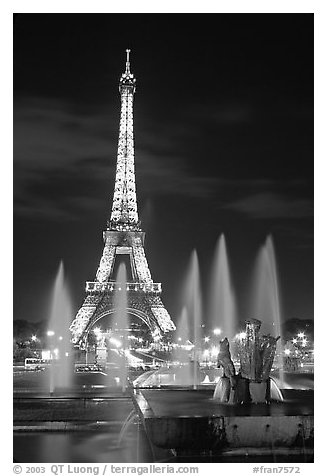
column 223, row 124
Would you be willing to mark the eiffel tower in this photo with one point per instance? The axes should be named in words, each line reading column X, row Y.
column 123, row 236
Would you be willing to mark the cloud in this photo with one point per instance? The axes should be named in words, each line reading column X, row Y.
column 170, row 175
column 270, row 205
column 63, row 155
column 65, row 160
column 296, row 235
column 48, row 133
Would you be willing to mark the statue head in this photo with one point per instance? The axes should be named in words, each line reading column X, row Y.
column 224, row 345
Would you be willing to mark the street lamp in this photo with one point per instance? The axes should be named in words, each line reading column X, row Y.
column 50, row 333
column 217, row 331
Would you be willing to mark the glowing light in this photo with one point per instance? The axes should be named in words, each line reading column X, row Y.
column 46, row 354
column 56, row 352
column 206, row 339
column 217, row 331
column 241, row 335
column 214, row 351
column 294, row 341
column 34, row 338
column 97, row 330
column 156, row 335
column 60, row 338
column 50, row 333
column 287, row 351
column 300, row 335
column 187, row 347
column 116, row 342
column 66, row 354
column 304, row 343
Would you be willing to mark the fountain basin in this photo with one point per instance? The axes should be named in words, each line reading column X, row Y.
column 191, row 422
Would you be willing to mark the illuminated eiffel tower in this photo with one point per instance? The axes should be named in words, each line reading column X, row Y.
column 123, row 236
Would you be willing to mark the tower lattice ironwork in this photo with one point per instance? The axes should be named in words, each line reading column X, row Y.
column 123, row 236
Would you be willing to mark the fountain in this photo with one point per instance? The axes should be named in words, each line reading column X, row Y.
column 266, row 298
column 121, row 318
column 182, row 327
column 183, row 375
column 194, row 307
column 191, row 320
column 253, row 382
column 61, row 363
column 222, row 305
column 245, row 412
column 219, row 423
column 189, row 329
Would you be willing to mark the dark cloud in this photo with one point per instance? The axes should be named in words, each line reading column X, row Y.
column 269, row 205
column 295, row 234
column 49, row 133
column 65, row 160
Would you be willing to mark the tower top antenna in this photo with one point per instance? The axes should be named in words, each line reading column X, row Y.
column 127, row 62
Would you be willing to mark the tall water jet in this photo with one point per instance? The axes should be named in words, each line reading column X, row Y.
column 184, row 375
column 194, row 310
column 61, row 367
column 222, row 303
column 183, row 328
column 266, row 297
column 121, row 318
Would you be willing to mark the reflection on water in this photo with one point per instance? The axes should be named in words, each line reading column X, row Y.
column 179, row 376
column 95, row 442
column 50, row 449
column 82, row 447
